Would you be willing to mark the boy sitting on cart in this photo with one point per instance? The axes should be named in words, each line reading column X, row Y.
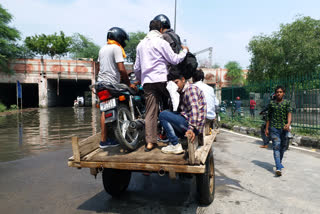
column 190, row 118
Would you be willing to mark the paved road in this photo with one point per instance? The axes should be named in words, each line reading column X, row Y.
column 245, row 183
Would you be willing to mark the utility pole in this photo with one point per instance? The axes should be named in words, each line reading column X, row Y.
column 210, row 54
column 175, row 14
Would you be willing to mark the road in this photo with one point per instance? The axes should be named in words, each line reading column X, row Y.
column 245, row 183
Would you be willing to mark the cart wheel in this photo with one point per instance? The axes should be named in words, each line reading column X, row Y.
column 115, row 181
column 206, row 182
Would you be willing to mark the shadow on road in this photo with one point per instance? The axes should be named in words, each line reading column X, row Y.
column 225, row 185
column 147, row 194
column 265, row 165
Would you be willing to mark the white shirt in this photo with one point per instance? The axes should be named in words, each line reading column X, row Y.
column 109, row 56
column 210, row 97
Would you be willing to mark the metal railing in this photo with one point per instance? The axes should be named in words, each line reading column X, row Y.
column 303, row 92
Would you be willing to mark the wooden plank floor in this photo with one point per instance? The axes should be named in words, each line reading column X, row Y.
column 155, row 156
column 139, row 156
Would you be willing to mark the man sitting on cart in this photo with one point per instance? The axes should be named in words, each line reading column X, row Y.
column 190, row 119
column 208, row 91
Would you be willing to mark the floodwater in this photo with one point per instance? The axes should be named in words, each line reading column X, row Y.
column 46, row 129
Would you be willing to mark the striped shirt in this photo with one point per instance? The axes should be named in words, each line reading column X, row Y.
column 193, row 107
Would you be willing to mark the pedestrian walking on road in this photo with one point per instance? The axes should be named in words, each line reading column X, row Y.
column 279, row 121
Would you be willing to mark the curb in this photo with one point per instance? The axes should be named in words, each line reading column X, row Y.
column 296, row 140
column 314, row 151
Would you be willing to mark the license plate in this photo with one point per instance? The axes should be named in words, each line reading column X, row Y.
column 109, row 104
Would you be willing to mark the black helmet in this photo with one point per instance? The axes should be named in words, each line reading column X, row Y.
column 119, row 35
column 164, row 20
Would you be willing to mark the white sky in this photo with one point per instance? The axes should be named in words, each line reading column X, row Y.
column 227, row 25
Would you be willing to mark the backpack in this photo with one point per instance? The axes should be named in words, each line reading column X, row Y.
column 174, row 42
column 189, row 65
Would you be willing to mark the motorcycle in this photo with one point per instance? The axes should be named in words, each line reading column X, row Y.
column 265, row 139
column 223, row 108
column 124, row 113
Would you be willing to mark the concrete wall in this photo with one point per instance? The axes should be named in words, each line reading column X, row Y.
column 218, row 76
column 39, row 71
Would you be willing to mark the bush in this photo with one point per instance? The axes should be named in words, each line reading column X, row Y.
column 241, row 121
column 13, row 107
column 306, row 132
column 2, row 107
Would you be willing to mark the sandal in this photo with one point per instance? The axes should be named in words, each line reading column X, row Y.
column 148, row 150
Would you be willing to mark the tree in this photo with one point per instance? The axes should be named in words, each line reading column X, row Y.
column 8, row 38
column 216, row 65
column 132, row 44
column 24, row 52
column 83, row 47
column 234, row 72
column 49, row 44
column 293, row 50
column 268, row 54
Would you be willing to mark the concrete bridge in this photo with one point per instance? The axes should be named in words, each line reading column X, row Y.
column 48, row 83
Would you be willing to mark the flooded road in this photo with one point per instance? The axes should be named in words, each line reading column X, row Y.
column 244, row 183
column 46, row 129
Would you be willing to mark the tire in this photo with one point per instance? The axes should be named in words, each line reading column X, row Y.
column 206, row 182
column 127, row 139
column 115, row 181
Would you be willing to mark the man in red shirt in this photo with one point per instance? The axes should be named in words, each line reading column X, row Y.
column 252, row 106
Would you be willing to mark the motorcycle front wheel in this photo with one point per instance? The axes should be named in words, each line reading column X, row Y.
column 127, row 139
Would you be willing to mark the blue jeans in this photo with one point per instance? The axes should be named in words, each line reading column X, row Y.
column 279, row 145
column 174, row 124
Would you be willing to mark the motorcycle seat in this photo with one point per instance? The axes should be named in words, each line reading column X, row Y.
column 115, row 88
column 132, row 91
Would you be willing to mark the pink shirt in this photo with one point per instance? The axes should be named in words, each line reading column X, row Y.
column 152, row 58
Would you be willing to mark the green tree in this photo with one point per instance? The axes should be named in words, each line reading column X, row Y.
column 293, row 50
column 268, row 55
column 8, row 38
column 234, row 72
column 130, row 49
column 216, row 65
column 83, row 47
column 49, row 44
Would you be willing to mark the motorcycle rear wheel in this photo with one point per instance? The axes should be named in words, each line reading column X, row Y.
column 127, row 139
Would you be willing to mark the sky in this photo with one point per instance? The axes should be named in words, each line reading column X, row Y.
column 227, row 26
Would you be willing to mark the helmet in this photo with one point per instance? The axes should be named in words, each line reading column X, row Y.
column 119, row 35
column 238, row 98
column 164, row 20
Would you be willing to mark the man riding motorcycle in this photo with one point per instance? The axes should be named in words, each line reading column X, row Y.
column 111, row 68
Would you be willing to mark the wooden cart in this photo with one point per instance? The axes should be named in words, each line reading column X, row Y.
column 116, row 165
